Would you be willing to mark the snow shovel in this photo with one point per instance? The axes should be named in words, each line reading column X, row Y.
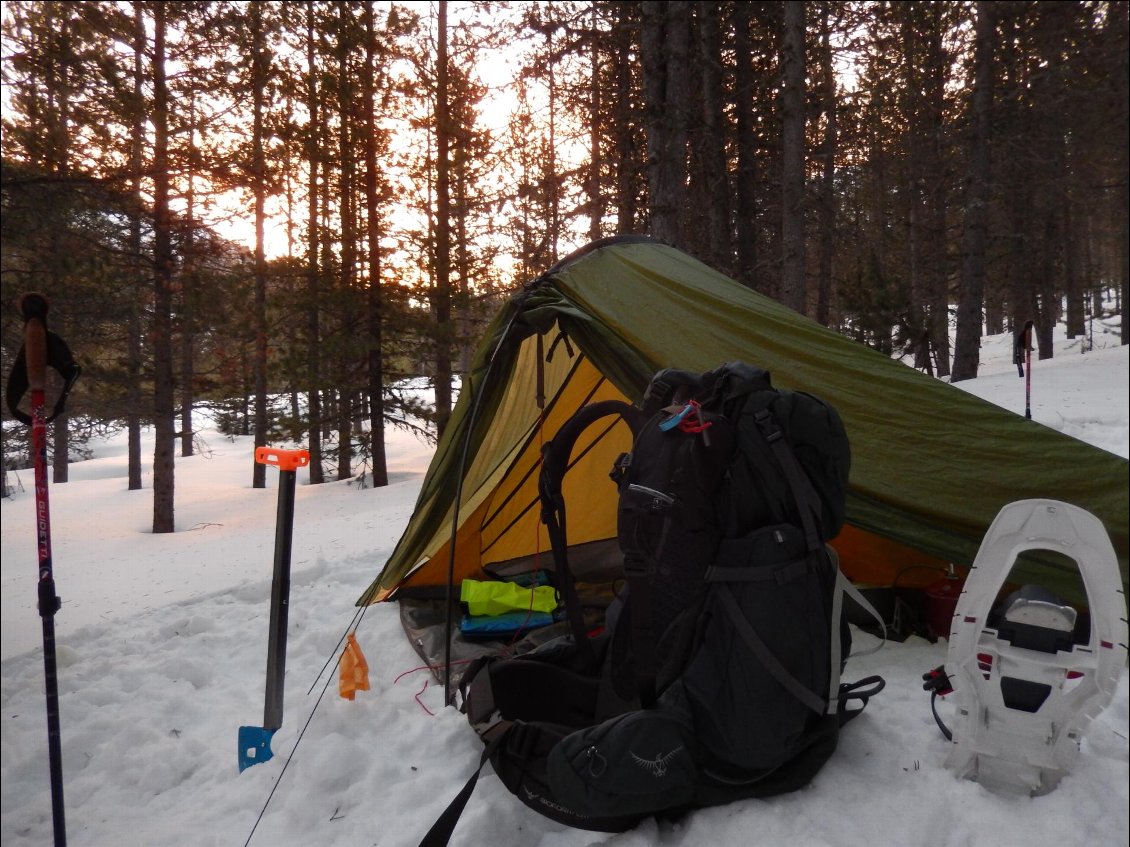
column 255, row 741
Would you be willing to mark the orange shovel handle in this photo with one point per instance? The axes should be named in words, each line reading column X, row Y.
column 284, row 460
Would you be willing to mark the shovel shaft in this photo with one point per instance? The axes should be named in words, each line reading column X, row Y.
column 280, row 603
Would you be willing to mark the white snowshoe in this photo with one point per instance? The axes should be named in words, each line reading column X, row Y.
column 1025, row 689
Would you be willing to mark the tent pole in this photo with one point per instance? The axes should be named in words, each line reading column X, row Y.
column 448, row 625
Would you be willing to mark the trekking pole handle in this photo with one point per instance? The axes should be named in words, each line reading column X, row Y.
column 34, row 307
column 284, row 460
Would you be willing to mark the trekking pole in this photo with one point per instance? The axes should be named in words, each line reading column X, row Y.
column 34, row 308
column 1028, row 370
column 1022, row 358
column 255, row 741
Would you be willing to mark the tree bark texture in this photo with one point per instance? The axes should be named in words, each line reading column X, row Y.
column 967, row 345
column 164, row 411
column 793, row 287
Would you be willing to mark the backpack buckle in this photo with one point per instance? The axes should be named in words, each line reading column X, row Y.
column 620, row 469
column 490, row 730
column 659, row 499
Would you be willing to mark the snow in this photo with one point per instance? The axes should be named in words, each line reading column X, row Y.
column 162, row 647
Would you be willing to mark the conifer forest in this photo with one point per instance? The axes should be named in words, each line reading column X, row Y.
column 292, row 216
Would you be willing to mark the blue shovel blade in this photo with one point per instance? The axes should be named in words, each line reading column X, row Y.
column 254, row 746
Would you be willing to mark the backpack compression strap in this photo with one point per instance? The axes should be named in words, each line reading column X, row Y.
column 807, row 501
column 809, row 510
column 554, row 465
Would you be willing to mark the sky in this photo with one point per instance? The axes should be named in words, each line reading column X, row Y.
column 162, row 650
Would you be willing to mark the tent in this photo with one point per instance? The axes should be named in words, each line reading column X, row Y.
column 931, row 464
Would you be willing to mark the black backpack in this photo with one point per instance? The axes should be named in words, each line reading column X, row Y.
column 716, row 673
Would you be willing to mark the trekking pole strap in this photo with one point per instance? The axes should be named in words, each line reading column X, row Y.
column 41, row 349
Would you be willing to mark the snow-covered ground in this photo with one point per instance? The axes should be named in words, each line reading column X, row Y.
column 162, row 646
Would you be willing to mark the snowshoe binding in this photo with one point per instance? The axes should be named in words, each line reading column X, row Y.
column 1029, row 675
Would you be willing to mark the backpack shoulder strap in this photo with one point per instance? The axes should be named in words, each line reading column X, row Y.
column 554, row 465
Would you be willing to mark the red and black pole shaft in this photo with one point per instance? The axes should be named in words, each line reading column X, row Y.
column 34, row 308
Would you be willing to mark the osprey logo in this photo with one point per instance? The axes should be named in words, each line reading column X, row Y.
column 545, row 801
column 657, row 767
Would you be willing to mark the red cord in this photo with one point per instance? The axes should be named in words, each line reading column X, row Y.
column 696, row 412
column 432, row 668
column 421, row 702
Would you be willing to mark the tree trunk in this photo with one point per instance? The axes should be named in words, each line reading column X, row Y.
column 916, row 322
column 745, row 182
column 188, row 293
column 593, row 186
column 663, row 56
column 935, row 263
column 164, row 412
column 551, row 179
column 1048, row 314
column 441, row 292
column 134, row 305
column 967, row 345
column 259, row 189
column 313, row 239
column 60, row 448
column 827, row 209
column 1076, row 319
column 348, row 240
column 793, row 289
column 373, row 304
column 714, row 170
column 626, row 167
column 60, row 436
column 1117, row 22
